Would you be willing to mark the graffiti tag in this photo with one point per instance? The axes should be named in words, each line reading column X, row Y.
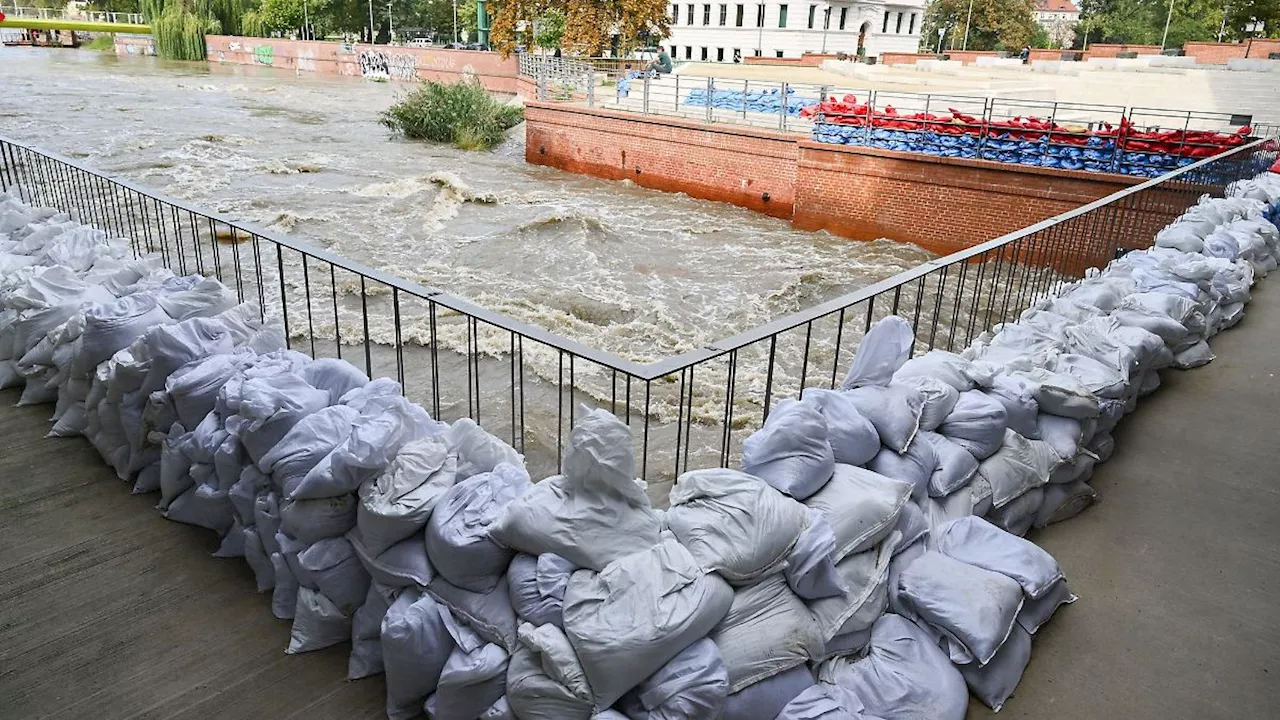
column 374, row 64
column 264, row 54
column 307, row 60
column 403, row 67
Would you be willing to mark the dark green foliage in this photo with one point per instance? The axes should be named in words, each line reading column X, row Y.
column 463, row 114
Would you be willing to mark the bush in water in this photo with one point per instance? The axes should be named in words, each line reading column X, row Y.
column 462, row 113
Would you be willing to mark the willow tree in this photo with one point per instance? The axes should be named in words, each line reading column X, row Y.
column 179, row 27
column 591, row 27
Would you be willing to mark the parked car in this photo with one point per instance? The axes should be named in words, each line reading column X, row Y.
column 419, row 42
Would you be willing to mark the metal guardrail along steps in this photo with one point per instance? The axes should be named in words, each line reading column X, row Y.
column 525, row 383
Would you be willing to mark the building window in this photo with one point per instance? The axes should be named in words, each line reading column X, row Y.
column 688, row 52
column 704, row 54
column 706, row 14
column 719, row 54
column 690, row 14
column 760, row 16
column 739, row 23
column 844, row 13
column 898, row 27
column 724, row 15
column 812, row 9
column 885, row 28
column 912, row 29
column 779, row 53
column 757, row 52
column 675, row 14
column 782, row 15
column 674, row 52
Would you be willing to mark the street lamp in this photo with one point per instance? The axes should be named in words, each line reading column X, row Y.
column 372, row 34
column 305, row 21
column 1167, row 20
column 965, row 44
column 390, row 29
column 826, row 23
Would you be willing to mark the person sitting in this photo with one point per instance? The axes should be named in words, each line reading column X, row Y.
column 661, row 64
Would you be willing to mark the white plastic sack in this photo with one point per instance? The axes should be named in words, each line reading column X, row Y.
column 489, row 613
column 692, row 685
column 973, row 609
column 306, row 445
column 914, row 467
column 955, row 466
column 1064, row 501
column 1037, row 611
column 792, row 452
column 474, row 677
column 977, row 542
column 853, row 438
column 865, row 577
column 398, row 502
column 939, row 400
column 545, row 681
column 946, row 367
column 977, row 424
column 404, row 564
column 811, row 567
column 767, row 630
column 415, row 647
column 317, row 623
column 861, row 507
column 537, row 586
column 766, row 699
column 458, row 539
column 313, row 520
column 894, row 410
column 478, row 451
column 883, row 350
column 1021, row 465
column 335, row 569
column 366, row 633
column 995, row 682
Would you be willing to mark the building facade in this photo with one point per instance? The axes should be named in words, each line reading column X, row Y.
column 721, row 31
column 1059, row 19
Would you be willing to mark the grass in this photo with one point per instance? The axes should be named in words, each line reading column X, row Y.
column 463, row 113
column 101, row 42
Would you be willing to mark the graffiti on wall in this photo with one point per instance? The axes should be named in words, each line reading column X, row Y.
column 377, row 65
column 307, row 59
column 373, row 64
column 264, row 54
column 403, row 66
column 233, row 46
column 439, row 62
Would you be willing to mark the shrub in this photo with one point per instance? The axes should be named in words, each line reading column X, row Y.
column 102, row 42
column 463, row 113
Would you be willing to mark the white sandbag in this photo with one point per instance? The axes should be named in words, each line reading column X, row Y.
column 692, row 685
column 290, row 548
column 733, row 523
column 1060, row 394
column 883, row 350
column 904, row 675
column 954, row 468
column 977, row 424
column 171, row 346
column 205, row 298
column 1020, row 406
column 545, row 681
column 767, row 630
column 489, row 613
column 1097, row 377
column 811, row 567
column 266, row 517
column 203, row 506
column 269, row 408
column 628, row 620
column 473, row 679
column 232, row 545
column 1102, row 445
column 366, row 633
column 317, row 623
column 458, row 540
column 314, row 520
column 593, row 514
column 1037, row 611
column 335, row 569
column 1020, row 465
column 853, row 438
column 537, row 586
column 1018, row 515
column 792, row 452
column 284, row 596
column 1062, row 434
column 113, row 326
column 894, row 410
column 1063, row 501
column 973, row 609
column 398, row 502
column 865, row 577
column 258, row 559
column 946, row 367
column 847, row 644
column 244, row 493
column 404, row 564
column 337, row 377
column 820, row 702
column 478, row 451
column 939, row 400
column 766, row 699
column 860, row 506
column 913, row 526
column 995, row 682
column 306, row 445
column 175, row 467
column 914, row 467
column 415, row 647
column 1194, row 356
column 977, row 542
column 194, row 387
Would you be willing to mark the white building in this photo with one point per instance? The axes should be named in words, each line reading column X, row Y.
column 717, row 31
column 1059, row 19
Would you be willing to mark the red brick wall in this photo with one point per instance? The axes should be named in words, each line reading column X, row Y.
column 1102, row 50
column 891, row 58
column 737, row 165
column 1260, row 48
column 969, row 57
column 1207, row 53
column 397, row 63
column 1043, row 54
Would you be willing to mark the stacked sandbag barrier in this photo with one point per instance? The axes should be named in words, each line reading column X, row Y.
column 865, row 561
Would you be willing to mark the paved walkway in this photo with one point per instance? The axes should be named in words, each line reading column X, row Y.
column 109, row 611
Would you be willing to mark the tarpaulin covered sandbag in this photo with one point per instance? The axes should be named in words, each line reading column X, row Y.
column 628, row 620
column 337, row 377
column 313, row 520
column 317, row 623
column 977, row 424
column 914, row 467
column 415, row 647
column 692, row 685
column 767, row 630
column 948, row 367
column 1063, row 501
column 489, row 613
column 366, row 633
column 269, row 408
column 335, row 569
column 537, row 586
column 404, row 564
column 593, row 514
column 792, row 452
column 1037, row 611
column 1020, row 406
column 894, row 410
column 1020, row 465
column 977, row 542
column 545, row 681
column 853, row 438
column 860, row 506
column 811, row 566
column 883, row 350
column 939, row 400
column 306, row 444
column 765, row 699
column 954, row 468
column 903, row 675
column 734, row 523
column 397, row 503
column 478, row 451
column 474, row 677
column 973, row 609
column 458, row 540
column 865, row 577
column 995, row 682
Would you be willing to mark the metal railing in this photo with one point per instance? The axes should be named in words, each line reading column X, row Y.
column 16, row 11
column 524, row 383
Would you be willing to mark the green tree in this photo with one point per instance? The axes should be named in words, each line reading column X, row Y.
column 275, row 16
column 995, row 25
column 1242, row 13
column 120, row 6
column 549, row 29
column 592, row 27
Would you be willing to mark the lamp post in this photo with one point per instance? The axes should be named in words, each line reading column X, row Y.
column 965, row 45
column 455, row 21
column 372, row 34
column 306, row 22
column 826, row 23
column 1168, row 18
column 941, row 31
column 390, row 30
column 759, row 33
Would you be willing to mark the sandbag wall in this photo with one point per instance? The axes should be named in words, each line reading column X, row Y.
column 833, row 576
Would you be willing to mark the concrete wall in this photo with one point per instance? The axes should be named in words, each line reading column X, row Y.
column 942, row 204
column 134, row 44
column 395, row 63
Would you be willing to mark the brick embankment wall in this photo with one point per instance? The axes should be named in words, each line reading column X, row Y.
column 1102, row 50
